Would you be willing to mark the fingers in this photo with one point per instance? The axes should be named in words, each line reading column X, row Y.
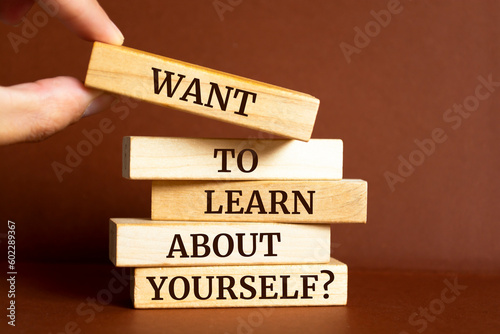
column 34, row 111
column 12, row 11
column 87, row 19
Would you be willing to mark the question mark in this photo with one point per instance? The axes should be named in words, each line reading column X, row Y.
column 330, row 280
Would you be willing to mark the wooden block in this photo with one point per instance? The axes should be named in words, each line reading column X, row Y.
column 241, row 286
column 343, row 201
column 202, row 91
column 153, row 158
column 146, row 243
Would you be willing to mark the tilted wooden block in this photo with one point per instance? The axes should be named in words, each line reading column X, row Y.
column 202, row 91
column 343, row 201
column 156, row 158
column 146, row 243
column 241, row 286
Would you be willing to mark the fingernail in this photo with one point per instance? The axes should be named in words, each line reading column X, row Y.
column 119, row 36
column 98, row 104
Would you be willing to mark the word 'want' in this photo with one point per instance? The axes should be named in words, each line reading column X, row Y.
column 277, row 198
column 195, row 92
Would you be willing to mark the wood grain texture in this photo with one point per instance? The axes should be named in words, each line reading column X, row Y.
column 147, row 243
column 160, row 158
column 202, row 91
column 343, row 201
column 228, row 286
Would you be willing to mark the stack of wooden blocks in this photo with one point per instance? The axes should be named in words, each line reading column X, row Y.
column 234, row 222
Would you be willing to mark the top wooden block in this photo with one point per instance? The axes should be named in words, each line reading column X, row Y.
column 202, row 91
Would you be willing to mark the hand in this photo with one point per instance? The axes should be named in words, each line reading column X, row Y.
column 34, row 111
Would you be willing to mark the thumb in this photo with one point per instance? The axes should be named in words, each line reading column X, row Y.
column 34, row 111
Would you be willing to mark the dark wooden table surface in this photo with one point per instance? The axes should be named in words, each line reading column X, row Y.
column 78, row 298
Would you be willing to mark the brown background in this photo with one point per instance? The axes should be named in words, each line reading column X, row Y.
column 443, row 217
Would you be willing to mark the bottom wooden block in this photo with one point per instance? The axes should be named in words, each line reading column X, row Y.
column 241, row 286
